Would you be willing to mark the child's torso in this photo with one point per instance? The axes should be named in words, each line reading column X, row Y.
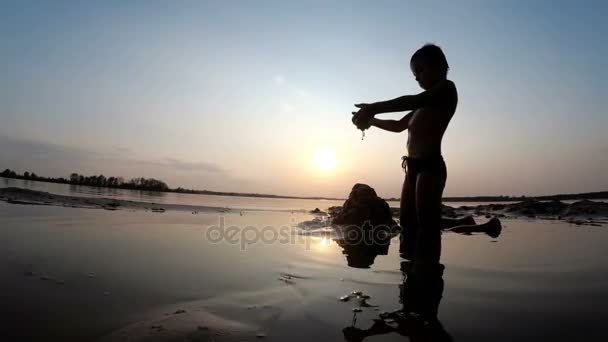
column 427, row 126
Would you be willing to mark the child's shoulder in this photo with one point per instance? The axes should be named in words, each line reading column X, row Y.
column 449, row 83
column 446, row 87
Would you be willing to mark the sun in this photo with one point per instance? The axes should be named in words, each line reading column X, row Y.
column 325, row 159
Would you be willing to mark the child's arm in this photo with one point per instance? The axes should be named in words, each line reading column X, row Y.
column 410, row 102
column 396, row 126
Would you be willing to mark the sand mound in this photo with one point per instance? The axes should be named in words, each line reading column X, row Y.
column 185, row 326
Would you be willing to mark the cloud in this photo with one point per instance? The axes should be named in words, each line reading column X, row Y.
column 48, row 159
column 122, row 150
column 287, row 108
column 189, row 166
column 279, row 80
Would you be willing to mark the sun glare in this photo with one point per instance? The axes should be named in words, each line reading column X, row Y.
column 325, row 159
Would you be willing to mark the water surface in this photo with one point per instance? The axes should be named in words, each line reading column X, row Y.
column 104, row 270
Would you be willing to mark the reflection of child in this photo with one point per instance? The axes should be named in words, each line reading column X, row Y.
column 430, row 113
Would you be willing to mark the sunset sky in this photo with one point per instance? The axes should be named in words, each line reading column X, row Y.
column 256, row 96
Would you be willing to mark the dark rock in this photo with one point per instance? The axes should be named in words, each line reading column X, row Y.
column 586, row 208
column 318, row 211
column 533, row 208
column 334, row 211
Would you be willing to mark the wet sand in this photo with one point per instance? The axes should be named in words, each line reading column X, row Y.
column 594, row 213
column 87, row 275
column 22, row 196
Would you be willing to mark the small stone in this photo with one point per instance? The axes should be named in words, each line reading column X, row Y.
column 356, row 293
column 357, row 310
column 260, row 335
column 180, row 311
column 345, row 298
column 202, row 328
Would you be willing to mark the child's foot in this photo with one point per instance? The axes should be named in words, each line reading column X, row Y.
column 494, row 227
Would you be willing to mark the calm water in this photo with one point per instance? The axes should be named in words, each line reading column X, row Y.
column 539, row 281
column 235, row 202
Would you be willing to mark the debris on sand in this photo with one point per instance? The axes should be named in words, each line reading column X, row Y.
column 344, row 298
column 361, row 299
column 315, row 223
column 286, row 278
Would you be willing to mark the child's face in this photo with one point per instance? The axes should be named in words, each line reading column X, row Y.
column 426, row 74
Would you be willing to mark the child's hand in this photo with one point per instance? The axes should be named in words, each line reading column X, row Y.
column 363, row 105
column 361, row 119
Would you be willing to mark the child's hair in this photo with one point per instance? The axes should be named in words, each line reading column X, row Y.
column 432, row 54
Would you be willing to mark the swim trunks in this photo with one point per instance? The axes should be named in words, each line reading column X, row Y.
column 414, row 166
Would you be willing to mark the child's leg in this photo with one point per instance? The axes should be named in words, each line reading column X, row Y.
column 408, row 219
column 493, row 228
column 429, row 190
column 447, row 223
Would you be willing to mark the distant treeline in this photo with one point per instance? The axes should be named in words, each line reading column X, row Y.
column 151, row 184
column 147, row 184
column 245, row 194
column 140, row 183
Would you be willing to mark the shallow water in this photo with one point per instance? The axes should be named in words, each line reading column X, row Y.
column 102, row 271
column 235, row 202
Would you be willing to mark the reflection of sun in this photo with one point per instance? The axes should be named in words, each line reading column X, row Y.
column 324, row 242
column 325, row 159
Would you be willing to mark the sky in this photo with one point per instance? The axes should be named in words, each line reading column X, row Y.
column 243, row 95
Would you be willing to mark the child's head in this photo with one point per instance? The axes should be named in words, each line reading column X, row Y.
column 429, row 65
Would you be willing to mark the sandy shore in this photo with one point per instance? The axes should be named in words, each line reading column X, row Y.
column 583, row 212
column 31, row 197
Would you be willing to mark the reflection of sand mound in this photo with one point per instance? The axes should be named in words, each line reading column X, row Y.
column 185, row 326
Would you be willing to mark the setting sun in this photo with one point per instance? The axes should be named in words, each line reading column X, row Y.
column 325, row 159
